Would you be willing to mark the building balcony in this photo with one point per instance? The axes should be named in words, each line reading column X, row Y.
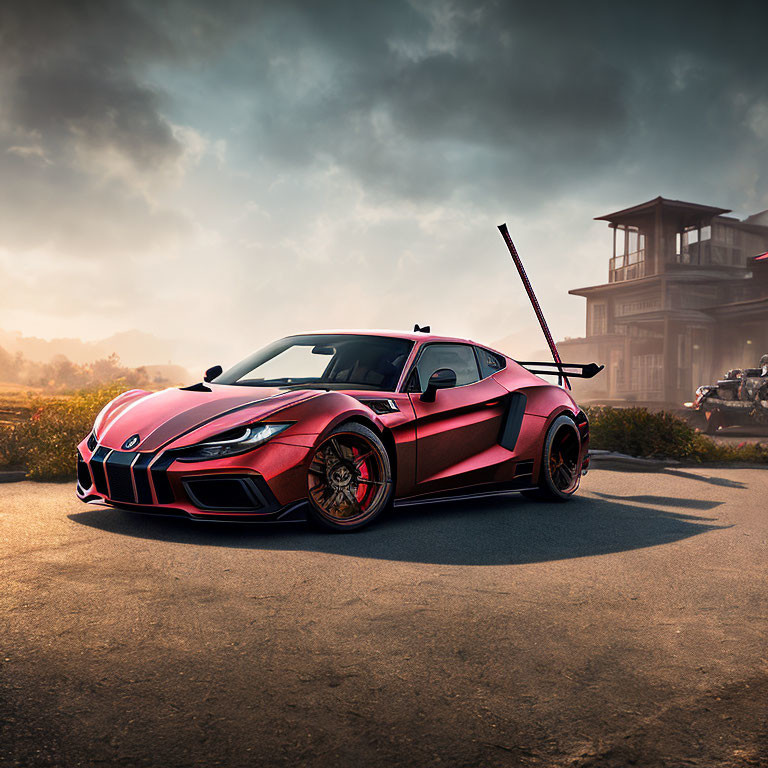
column 631, row 267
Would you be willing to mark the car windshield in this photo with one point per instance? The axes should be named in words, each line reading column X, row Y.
column 343, row 361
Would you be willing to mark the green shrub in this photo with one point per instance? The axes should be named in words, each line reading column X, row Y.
column 640, row 432
column 45, row 444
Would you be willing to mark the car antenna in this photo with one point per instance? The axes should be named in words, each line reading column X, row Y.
column 536, row 307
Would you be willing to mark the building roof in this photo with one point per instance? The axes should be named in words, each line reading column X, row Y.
column 685, row 210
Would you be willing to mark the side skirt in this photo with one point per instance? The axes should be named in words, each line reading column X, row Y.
column 524, row 483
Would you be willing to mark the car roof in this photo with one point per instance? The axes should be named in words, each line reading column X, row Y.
column 418, row 336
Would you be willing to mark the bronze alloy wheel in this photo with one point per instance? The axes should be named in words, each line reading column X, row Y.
column 564, row 459
column 349, row 478
column 560, row 473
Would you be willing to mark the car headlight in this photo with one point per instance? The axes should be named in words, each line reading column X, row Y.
column 239, row 440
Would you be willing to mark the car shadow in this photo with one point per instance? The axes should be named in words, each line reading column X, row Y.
column 710, row 479
column 504, row 530
column 664, row 501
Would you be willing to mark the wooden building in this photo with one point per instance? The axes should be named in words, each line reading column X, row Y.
column 686, row 299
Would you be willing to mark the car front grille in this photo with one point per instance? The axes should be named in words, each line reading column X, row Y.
column 126, row 476
column 118, row 466
column 130, row 477
column 97, row 470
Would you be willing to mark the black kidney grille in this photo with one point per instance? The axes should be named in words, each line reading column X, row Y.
column 130, row 477
column 97, row 470
column 141, row 478
column 163, row 488
column 118, row 465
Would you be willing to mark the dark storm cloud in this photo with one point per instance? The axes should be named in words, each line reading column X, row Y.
column 69, row 70
column 421, row 99
column 84, row 132
column 428, row 98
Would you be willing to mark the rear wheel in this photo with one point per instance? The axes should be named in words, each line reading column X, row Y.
column 350, row 479
column 715, row 422
column 560, row 472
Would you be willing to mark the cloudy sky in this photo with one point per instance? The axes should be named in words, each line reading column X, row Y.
column 224, row 173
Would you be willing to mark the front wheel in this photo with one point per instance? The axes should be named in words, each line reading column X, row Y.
column 349, row 479
column 560, row 472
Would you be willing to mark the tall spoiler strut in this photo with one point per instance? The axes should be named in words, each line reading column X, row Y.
column 587, row 370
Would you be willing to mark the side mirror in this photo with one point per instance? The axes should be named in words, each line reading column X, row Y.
column 443, row 378
column 212, row 373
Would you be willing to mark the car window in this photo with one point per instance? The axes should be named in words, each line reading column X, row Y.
column 324, row 361
column 490, row 362
column 460, row 358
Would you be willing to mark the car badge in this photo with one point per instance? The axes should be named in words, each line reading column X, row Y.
column 131, row 442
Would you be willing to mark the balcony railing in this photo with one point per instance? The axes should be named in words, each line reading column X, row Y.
column 629, row 267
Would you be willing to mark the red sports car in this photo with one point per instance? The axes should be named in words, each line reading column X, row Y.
column 338, row 426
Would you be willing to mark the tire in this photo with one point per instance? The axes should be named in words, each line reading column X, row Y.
column 349, row 480
column 715, row 421
column 560, row 472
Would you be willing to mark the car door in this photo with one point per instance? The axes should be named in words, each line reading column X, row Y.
column 463, row 422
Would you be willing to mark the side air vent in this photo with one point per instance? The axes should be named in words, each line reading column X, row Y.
column 523, row 468
column 381, row 406
column 510, row 430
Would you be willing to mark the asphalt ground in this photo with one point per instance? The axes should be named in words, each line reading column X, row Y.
column 626, row 627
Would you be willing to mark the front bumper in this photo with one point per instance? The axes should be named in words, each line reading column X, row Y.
column 267, row 484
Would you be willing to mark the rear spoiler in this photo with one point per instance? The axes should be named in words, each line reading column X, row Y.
column 586, row 371
column 577, row 370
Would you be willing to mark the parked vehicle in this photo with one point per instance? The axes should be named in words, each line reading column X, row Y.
column 339, row 425
column 738, row 399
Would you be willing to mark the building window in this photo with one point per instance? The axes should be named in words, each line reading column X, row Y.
column 693, row 246
column 628, row 262
column 646, row 373
column 599, row 324
column 637, row 307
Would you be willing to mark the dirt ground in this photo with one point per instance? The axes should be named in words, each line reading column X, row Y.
column 625, row 628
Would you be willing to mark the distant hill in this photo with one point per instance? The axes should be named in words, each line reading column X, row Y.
column 172, row 374
column 134, row 348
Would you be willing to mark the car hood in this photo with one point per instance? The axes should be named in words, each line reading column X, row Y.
column 158, row 418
